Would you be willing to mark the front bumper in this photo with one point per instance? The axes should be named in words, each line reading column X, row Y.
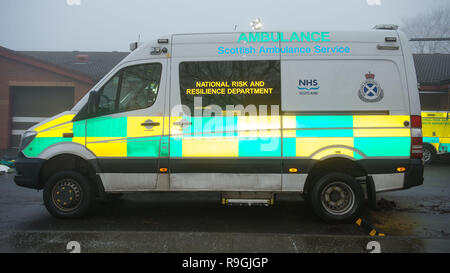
column 414, row 174
column 27, row 171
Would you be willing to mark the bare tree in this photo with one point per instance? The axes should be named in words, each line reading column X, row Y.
column 431, row 24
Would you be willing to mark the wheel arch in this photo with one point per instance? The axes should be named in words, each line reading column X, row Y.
column 68, row 161
column 73, row 148
column 333, row 164
column 431, row 146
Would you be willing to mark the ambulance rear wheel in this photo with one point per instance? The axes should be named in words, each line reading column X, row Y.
column 429, row 154
column 68, row 194
column 336, row 197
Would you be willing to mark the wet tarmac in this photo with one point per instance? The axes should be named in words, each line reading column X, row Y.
column 196, row 222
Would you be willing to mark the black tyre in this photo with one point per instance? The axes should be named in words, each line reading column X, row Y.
column 68, row 194
column 429, row 153
column 336, row 197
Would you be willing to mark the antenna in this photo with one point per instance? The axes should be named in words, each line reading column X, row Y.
column 135, row 45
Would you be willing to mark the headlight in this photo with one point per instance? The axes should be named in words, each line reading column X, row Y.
column 26, row 139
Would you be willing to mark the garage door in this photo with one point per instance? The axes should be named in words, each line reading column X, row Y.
column 31, row 105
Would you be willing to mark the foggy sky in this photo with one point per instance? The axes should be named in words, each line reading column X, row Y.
column 108, row 25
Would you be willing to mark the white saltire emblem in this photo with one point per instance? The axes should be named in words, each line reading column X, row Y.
column 370, row 90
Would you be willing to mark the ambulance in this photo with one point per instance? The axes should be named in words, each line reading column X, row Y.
column 331, row 115
column 436, row 134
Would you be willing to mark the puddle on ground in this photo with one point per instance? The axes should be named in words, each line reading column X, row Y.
column 420, row 218
column 393, row 223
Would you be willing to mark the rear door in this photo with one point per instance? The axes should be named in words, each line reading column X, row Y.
column 125, row 134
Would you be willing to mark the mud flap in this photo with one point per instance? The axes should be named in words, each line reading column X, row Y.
column 100, row 189
column 371, row 193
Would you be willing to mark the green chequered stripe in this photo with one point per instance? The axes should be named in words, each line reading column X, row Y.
column 383, row 146
column 211, row 126
column 143, row 147
column 217, row 127
column 79, row 128
column 107, row 127
column 260, row 147
column 41, row 143
column 310, row 127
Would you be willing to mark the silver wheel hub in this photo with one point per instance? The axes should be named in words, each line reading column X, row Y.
column 338, row 198
column 426, row 155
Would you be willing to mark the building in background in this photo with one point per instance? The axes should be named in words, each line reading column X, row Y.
column 433, row 75
column 35, row 85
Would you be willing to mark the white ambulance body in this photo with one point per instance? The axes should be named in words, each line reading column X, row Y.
column 330, row 115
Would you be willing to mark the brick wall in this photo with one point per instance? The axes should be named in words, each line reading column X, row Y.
column 14, row 73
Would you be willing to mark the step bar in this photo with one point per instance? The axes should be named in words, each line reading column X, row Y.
column 248, row 198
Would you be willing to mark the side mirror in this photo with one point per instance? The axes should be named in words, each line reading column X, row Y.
column 93, row 102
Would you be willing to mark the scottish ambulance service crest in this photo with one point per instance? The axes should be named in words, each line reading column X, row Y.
column 370, row 90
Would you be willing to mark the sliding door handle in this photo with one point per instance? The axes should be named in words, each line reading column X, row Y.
column 183, row 123
column 149, row 124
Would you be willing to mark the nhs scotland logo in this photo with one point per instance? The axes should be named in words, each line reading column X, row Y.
column 308, row 87
column 370, row 90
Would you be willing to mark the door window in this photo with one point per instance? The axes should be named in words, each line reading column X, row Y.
column 132, row 88
column 139, row 87
column 253, row 85
column 107, row 96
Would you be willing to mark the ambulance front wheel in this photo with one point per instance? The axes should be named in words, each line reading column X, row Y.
column 336, row 197
column 68, row 194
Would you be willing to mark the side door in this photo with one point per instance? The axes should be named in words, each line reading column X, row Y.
column 224, row 134
column 126, row 130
